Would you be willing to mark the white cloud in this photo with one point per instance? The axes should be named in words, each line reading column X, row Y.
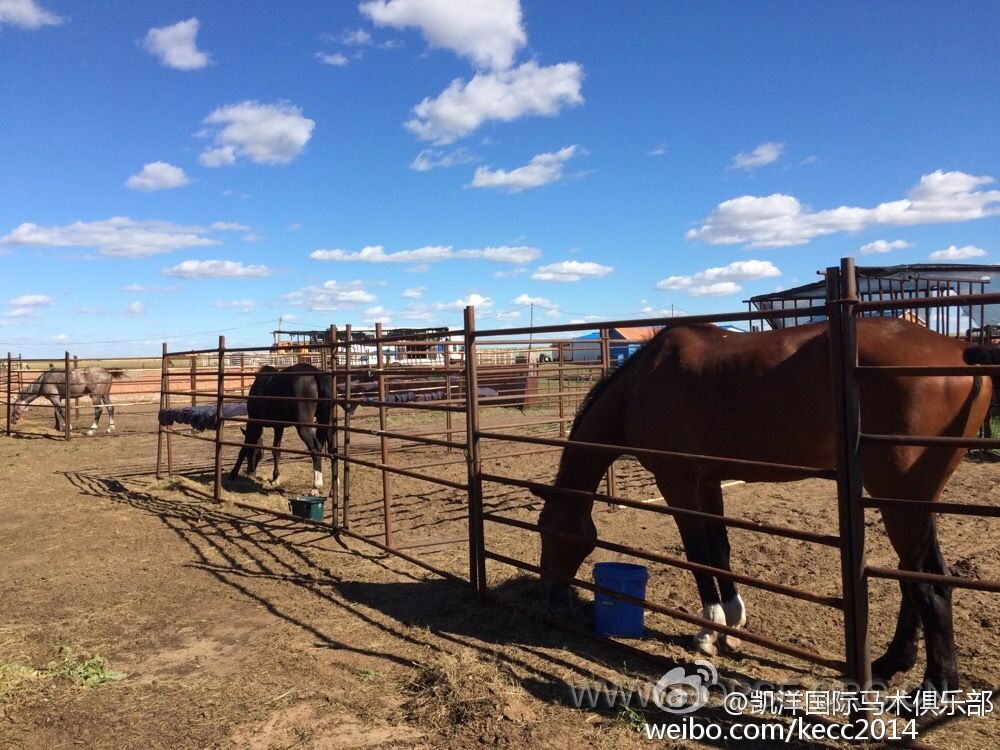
column 720, row 280
column 489, row 32
column 429, row 159
column 175, row 45
column 31, row 300
column 430, row 254
column 415, row 292
column 417, row 312
column 377, row 314
column 506, row 274
column 958, row 253
column 145, row 288
column 135, row 309
column 216, row 269
column 660, row 150
column 263, row 133
column 526, row 300
column 242, row 306
column 543, row 169
column 117, row 237
column 355, row 38
column 507, row 95
column 571, row 270
column 27, row 14
column 336, row 59
column 764, row 154
column 718, row 289
column 779, row 220
column 158, row 175
column 475, row 300
column 501, row 315
column 22, row 312
column 331, row 295
column 883, row 246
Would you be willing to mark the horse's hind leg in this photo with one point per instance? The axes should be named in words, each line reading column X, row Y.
column 111, row 412
column 718, row 543
column 276, row 453
column 96, row 400
column 914, row 537
column 695, row 537
column 308, row 435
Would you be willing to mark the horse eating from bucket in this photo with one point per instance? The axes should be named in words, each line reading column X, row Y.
column 85, row 381
column 765, row 397
column 293, row 396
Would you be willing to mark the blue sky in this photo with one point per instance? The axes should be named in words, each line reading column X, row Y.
column 175, row 170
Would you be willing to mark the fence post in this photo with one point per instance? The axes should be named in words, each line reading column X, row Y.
column 605, row 369
column 450, row 434
column 842, row 296
column 383, row 393
column 347, row 428
column 10, row 363
column 477, row 541
column 219, row 420
column 65, row 400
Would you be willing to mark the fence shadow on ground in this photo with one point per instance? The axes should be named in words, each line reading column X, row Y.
column 258, row 555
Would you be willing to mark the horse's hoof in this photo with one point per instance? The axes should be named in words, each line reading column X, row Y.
column 730, row 643
column 111, row 429
column 91, row 432
column 705, row 646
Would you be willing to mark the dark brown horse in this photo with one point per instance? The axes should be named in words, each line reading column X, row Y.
column 86, row 381
column 293, row 397
column 767, row 397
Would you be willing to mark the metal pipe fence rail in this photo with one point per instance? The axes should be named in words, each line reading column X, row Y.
column 425, row 450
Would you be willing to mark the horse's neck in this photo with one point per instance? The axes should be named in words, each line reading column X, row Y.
column 582, row 468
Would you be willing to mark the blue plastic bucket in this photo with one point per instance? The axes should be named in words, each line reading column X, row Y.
column 613, row 616
column 307, row 506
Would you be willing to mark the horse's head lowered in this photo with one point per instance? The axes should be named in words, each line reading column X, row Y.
column 17, row 411
column 568, row 536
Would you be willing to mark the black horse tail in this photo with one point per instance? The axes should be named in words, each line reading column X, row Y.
column 117, row 374
column 982, row 355
column 324, row 408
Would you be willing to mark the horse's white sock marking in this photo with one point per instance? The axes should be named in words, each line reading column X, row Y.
column 736, row 617
column 705, row 640
column 93, row 428
column 111, row 428
column 736, row 612
column 317, row 480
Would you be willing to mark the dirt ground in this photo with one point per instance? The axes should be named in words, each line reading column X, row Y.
column 235, row 628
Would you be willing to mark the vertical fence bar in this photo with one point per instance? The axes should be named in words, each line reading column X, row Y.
column 65, row 400
column 477, row 542
column 331, row 442
column 163, row 394
column 562, row 388
column 383, row 440
column 219, row 421
column 447, row 390
column 605, row 369
column 842, row 297
column 194, row 379
column 10, row 381
column 347, row 427
column 76, row 400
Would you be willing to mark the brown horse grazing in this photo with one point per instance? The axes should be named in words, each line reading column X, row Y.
column 767, row 397
column 86, row 381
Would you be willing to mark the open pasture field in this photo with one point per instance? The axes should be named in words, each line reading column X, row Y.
column 239, row 628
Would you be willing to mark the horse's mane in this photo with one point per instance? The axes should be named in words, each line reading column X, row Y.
column 605, row 381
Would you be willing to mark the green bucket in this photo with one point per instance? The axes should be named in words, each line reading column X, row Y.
column 307, row 506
